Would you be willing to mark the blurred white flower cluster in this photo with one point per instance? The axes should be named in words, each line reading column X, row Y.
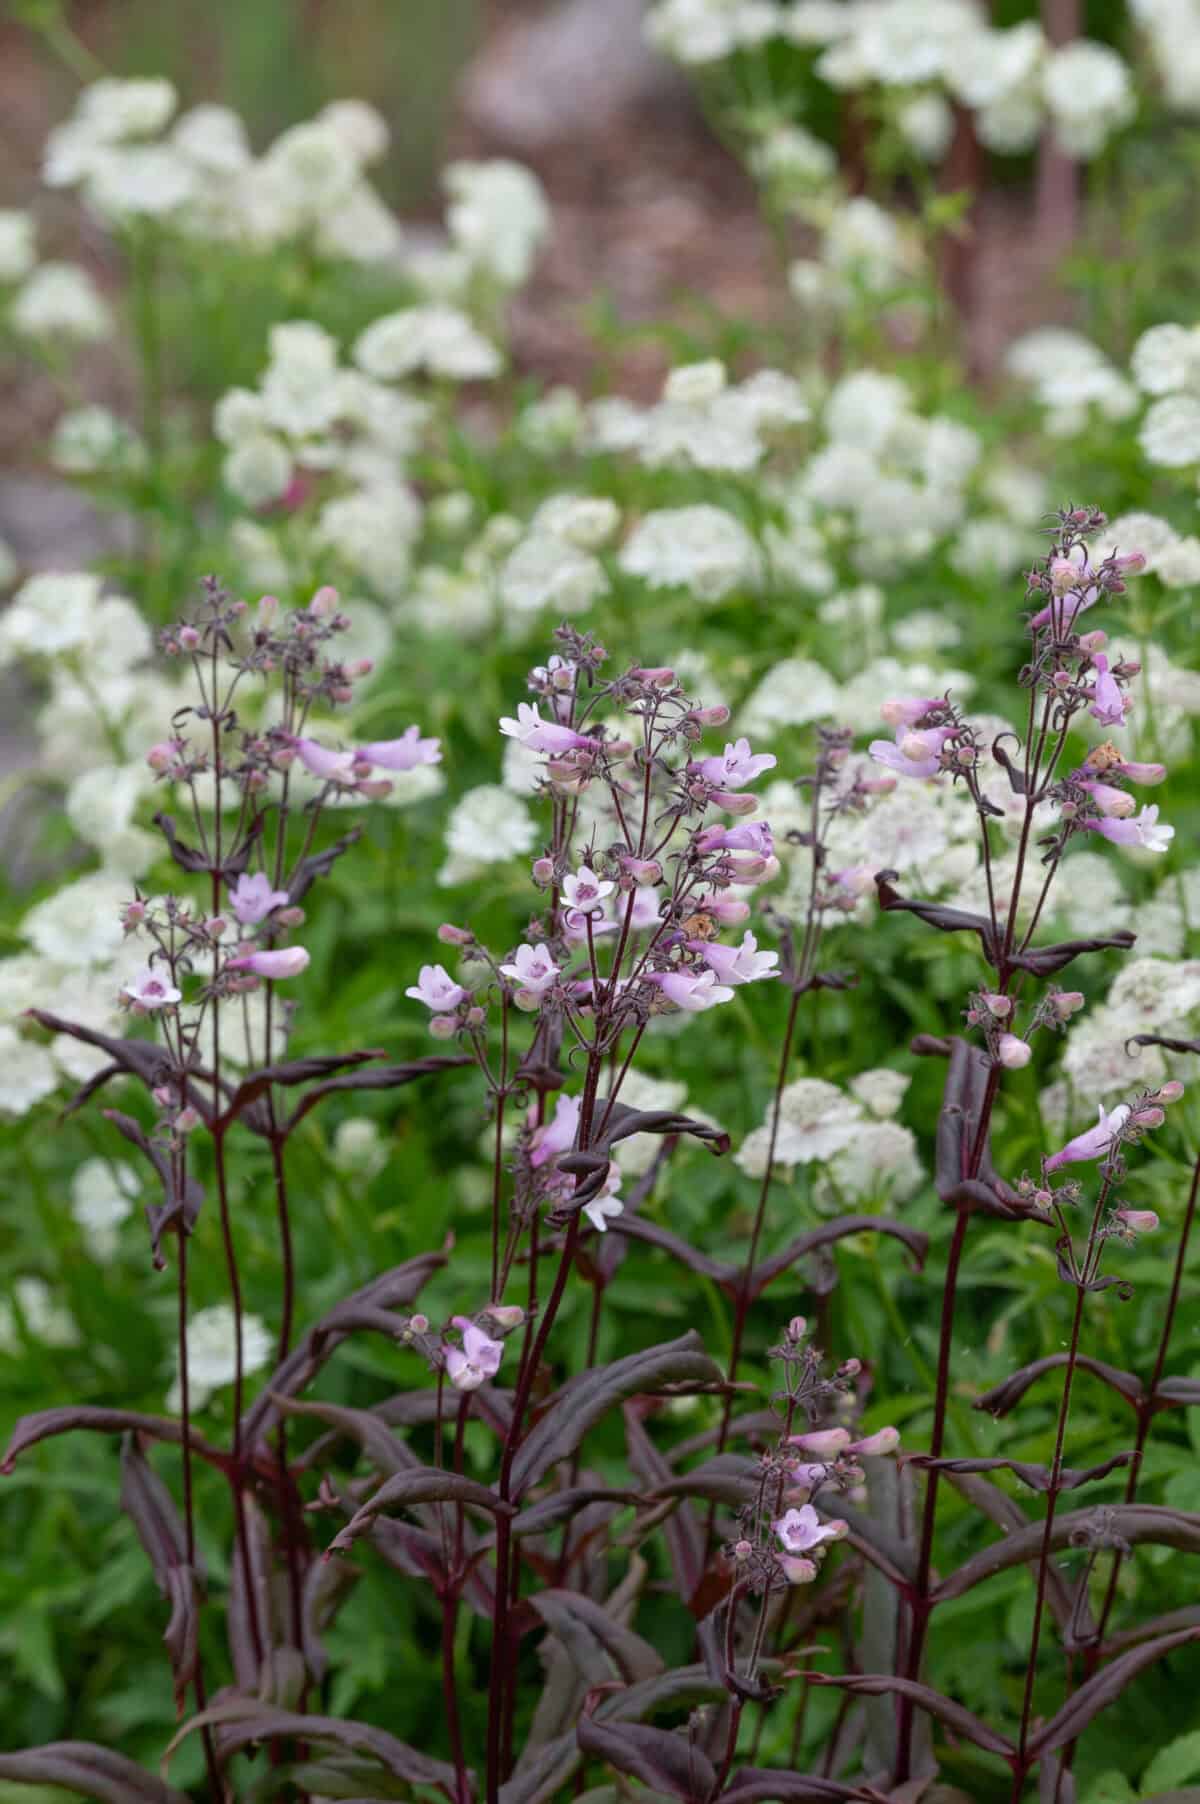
column 865, row 1155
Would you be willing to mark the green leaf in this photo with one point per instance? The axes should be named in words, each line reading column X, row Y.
column 1179, row 1760
column 1110, row 1788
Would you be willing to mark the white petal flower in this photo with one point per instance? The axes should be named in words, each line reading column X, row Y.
column 212, row 1351
column 1170, row 432
column 103, row 1193
column 545, row 571
column 60, row 300
column 702, row 548
column 435, row 340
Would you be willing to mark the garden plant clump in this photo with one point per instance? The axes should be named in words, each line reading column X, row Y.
column 565, row 1233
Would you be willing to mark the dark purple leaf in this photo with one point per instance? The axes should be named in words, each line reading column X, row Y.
column 1103, row 1689
column 1132, row 1522
column 425, row 1484
column 595, row 1641
column 589, row 1166
column 241, row 1721
column 955, row 1716
column 542, row 1773
column 1016, row 776
column 90, row 1772
column 379, row 1077
column 387, row 1450
column 1187, row 1618
column 831, row 1231
column 1056, row 1784
column 665, row 1761
column 70, row 1416
column 573, row 1410
column 1162, row 1040
column 548, row 1511
column 1173, row 1392
column 936, row 914
column 1073, row 1615
column 1043, row 961
column 189, row 859
column 754, row 1785
column 150, row 1506
column 143, row 1059
column 636, row 1227
column 319, row 864
column 327, row 1584
column 963, row 1099
column 291, row 1071
column 1005, row 1396
column 392, row 1290
column 682, row 1532
column 1036, row 1477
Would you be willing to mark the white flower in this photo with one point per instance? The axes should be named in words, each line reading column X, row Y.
column 865, row 244
column 866, row 409
column 18, row 244
column 1170, row 433
column 1156, row 994
column 91, row 441
column 926, row 123
column 497, row 216
column 32, row 1305
column 701, row 548
column 360, row 228
column 987, row 68
column 148, row 181
column 302, row 392
column 102, row 804
column 588, row 521
column 51, row 613
column 213, row 139
column 987, row 547
column 1166, row 358
column 816, row 1119
column 1098, row 1062
column 706, row 31
column 113, row 109
column 358, row 1147
column 793, row 160
column 790, row 695
column 1146, row 533
column 878, row 1164
column 27, row 1075
column 312, row 168
column 1089, row 95
column 103, row 1192
column 545, row 571
column 60, row 300
column 1179, row 565
column 360, row 126
column 440, row 341
column 373, row 530
column 695, row 384
column 212, row 1352
column 880, row 1090
column 553, row 423
column 81, row 923
column 258, row 470
column 488, row 826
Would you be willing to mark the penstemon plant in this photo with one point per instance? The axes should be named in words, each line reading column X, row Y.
column 495, row 1482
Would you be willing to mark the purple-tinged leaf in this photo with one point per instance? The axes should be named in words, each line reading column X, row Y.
column 1131, row 1522
column 319, row 864
column 589, row 1166
column 831, row 1231
column 1036, row 1477
column 144, row 1059
column 1174, row 1392
column 963, row 1101
column 289, row 1071
column 1162, row 1040
column 595, row 1641
column 755, row 1785
column 424, row 1484
column 29, row 1430
column 542, row 1773
column 1005, row 1396
column 682, row 1532
column 663, row 1760
column 327, row 1585
column 1056, row 1784
column 378, row 1077
column 1103, row 1689
column 1073, row 1615
column 1044, row 961
column 936, row 914
column 1187, row 1618
column 636, row 1227
column 387, row 1450
column 391, row 1290
column 241, row 1721
column 574, row 1409
column 151, row 1508
column 90, row 1772
column 955, row 1716
column 189, row 859
column 559, row 1506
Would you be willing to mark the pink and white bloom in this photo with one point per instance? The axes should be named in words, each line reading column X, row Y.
column 730, row 911
column 330, row 767
column 908, row 710
column 148, row 990
column 607, row 1206
column 532, row 969
column 737, row 964
column 1137, row 1221
column 405, row 753
column 252, row 898
column 797, row 1570
column 584, row 891
column 912, row 754
column 1109, row 705
column 286, row 961
column 690, row 992
column 1115, row 804
column 477, row 1360
column 1146, row 831
column 1148, row 774
column 538, row 734
column 802, row 1529
column 557, row 1135
column 747, row 836
column 1013, row 1052
column 824, row 1443
column 1095, row 1143
column 437, row 989
column 884, row 1440
column 736, row 766
column 647, row 908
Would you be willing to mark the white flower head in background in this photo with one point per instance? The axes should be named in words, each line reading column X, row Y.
column 211, row 1349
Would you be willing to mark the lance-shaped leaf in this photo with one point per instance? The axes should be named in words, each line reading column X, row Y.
column 188, row 858
column 955, row 1716
column 573, row 1410
column 665, row 1761
column 1131, row 1523
column 392, row 1290
column 542, row 1773
column 589, row 1166
column 1072, row 1613
column 89, row 1771
column 636, row 1227
column 287, row 1072
column 831, row 1231
column 181, row 1204
column 241, row 1721
column 29, row 1430
column 1038, row 1478
column 389, row 1452
column 1187, row 1618
column 682, row 1532
column 425, row 1484
column 936, row 914
column 143, row 1059
column 319, row 864
column 1175, row 1392
column 1005, row 1396
column 377, row 1077
column 327, row 1584
column 547, row 1512
column 963, row 1099
column 1162, row 1040
column 755, row 1785
column 1103, row 1689
column 1044, row 961
column 253, row 1627
column 151, row 1508
column 592, row 1637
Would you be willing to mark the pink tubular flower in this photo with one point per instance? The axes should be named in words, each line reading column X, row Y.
column 802, row 1529
column 405, row 753
column 330, row 767
column 691, row 993
column 647, row 908
column 1145, row 831
column 1148, row 774
column 1108, row 704
column 823, row 1443
column 1137, row 1221
column 540, row 735
column 913, row 754
column 437, row 989
column 607, row 1205
column 1095, row 1143
column 1013, row 1052
column 556, row 1136
column 909, row 710
column 730, row 911
column 147, row 991
column 287, row 961
column 736, row 766
column 1115, row 804
column 750, row 836
column 476, row 1360
column 532, row 969
column 737, row 964
column 797, row 1570
column 884, row 1440
column 734, row 801
column 584, row 892
column 252, row 898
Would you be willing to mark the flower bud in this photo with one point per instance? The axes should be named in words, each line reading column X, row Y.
column 1137, row 1221
column 797, row 1328
column 1064, row 575
column 187, row 1120
column 716, row 716
column 1169, row 1092
column 268, row 608
column 826, row 1443
column 290, row 917
column 884, row 1440
column 324, row 602
column 443, row 1027
column 642, row 870
column 189, row 638
column 163, row 1095
column 476, row 1017
column 1013, row 1052
column 1147, row 1117
column 360, row 667
column 543, row 871
column 506, row 1315
column 661, row 675
column 215, row 926
column 1065, row 1003
column 163, row 755
column 735, row 802
column 797, row 1570
column 997, row 1005
column 455, row 936
column 375, row 788
column 419, row 1323
column 1093, row 642
column 849, row 1368
column 133, row 914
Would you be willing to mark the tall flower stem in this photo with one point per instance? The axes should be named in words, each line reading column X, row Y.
column 216, row 1784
